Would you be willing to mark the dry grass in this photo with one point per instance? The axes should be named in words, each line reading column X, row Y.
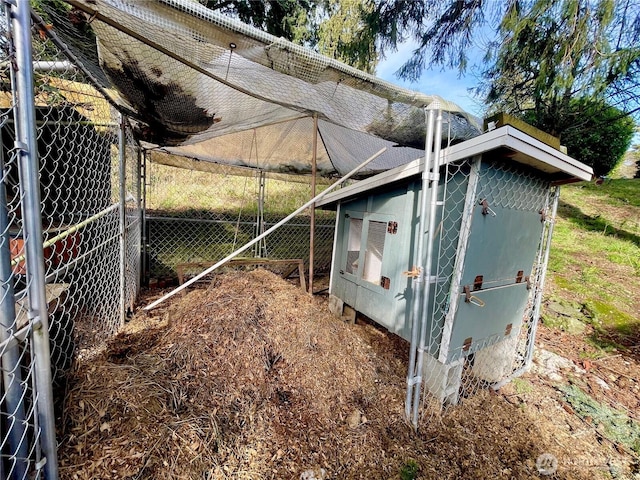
column 251, row 379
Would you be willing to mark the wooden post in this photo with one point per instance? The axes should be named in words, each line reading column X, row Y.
column 312, row 213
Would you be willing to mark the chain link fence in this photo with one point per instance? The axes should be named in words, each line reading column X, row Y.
column 82, row 274
column 185, row 236
column 455, row 366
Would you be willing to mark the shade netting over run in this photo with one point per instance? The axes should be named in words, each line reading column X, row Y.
column 207, row 87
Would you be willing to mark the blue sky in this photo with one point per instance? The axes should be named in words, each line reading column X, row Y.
column 445, row 83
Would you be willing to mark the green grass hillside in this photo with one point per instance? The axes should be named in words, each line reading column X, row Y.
column 594, row 267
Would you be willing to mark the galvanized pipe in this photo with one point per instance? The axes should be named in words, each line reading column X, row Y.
column 268, row 232
column 261, row 248
column 11, row 372
column 139, row 211
column 122, row 159
column 143, row 218
column 44, row 66
column 27, row 151
column 418, row 282
column 434, row 177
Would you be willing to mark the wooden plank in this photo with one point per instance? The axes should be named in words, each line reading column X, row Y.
column 501, row 119
column 56, row 294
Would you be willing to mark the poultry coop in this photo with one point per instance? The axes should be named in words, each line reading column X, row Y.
column 489, row 231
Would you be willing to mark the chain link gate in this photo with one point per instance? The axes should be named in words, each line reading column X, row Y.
column 69, row 232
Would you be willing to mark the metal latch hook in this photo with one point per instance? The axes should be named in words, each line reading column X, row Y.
column 486, row 210
column 468, row 298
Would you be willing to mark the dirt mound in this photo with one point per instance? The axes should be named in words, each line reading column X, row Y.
column 251, row 378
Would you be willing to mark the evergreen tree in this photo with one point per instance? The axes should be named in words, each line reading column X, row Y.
column 551, row 61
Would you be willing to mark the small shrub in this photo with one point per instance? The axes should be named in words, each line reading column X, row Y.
column 409, row 470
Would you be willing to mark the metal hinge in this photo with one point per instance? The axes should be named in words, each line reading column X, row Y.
column 385, row 282
column 392, row 227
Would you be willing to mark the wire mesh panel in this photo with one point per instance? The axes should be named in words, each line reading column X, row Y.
column 89, row 213
column 194, row 76
column 526, row 339
column 194, row 219
column 174, row 241
column 490, row 258
column 376, row 235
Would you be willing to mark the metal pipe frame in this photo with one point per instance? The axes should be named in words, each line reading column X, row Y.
column 261, row 247
column 312, row 208
column 13, row 390
column 418, row 282
column 122, row 164
column 27, row 151
column 433, row 176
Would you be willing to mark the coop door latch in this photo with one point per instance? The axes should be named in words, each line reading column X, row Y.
column 472, row 299
column 385, row 282
column 392, row 227
column 486, row 209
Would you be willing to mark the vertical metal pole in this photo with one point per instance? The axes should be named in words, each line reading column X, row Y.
column 11, row 373
column 543, row 274
column 123, row 212
column 143, row 219
column 138, row 209
column 256, row 228
column 312, row 209
column 433, row 176
column 27, row 151
column 418, row 282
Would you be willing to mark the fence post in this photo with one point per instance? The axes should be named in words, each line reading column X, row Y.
column 123, row 223
column 139, row 212
column 11, row 372
column 143, row 218
column 27, row 152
